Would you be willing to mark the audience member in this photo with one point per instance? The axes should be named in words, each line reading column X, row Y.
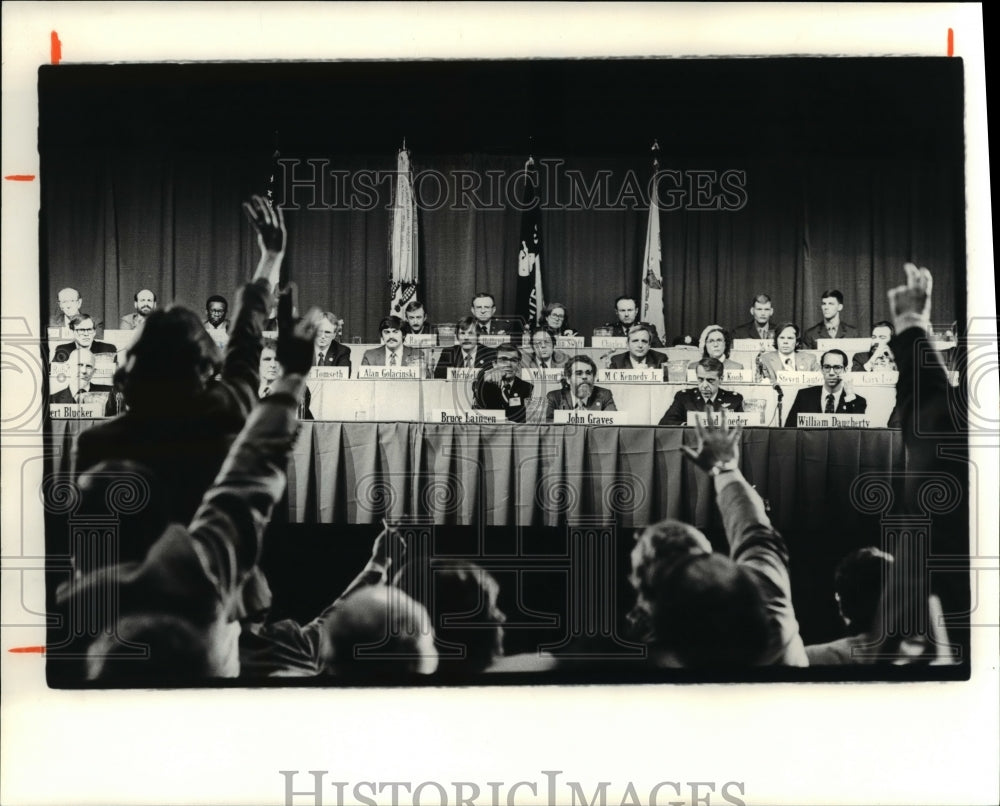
column 554, row 320
column 271, row 371
column 144, row 302
column 759, row 326
column 84, row 330
column 858, row 582
column 393, row 353
column 714, row 342
column 639, row 356
column 879, row 356
column 835, row 396
column 578, row 390
column 627, row 311
column 329, row 351
column 709, row 611
column 416, row 323
column 467, row 353
column 832, row 303
column 545, row 356
column 216, row 308
column 707, row 396
column 786, row 356
column 500, row 387
column 81, row 370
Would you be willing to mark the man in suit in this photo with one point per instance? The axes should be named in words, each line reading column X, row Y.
column 81, row 364
column 835, row 396
column 499, row 387
column 329, row 351
column 70, row 303
column 84, row 330
column 639, row 356
column 832, row 303
column 392, row 353
column 786, row 357
column 879, row 356
column 545, row 354
column 707, row 395
column 271, row 371
column 467, row 353
column 579, row 391
column 145, row 303
column 759, row 326
column 627, row 310
column 416, row 323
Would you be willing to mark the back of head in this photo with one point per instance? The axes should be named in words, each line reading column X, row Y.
column 858, row 581
column 378, row 633
column 170, row 362
column 708, row 613
column 659, row 547
column 462, row 601
column 175, row 650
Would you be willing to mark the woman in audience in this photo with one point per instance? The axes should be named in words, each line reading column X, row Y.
column 787, row 355
column 554, row 320
column 715, row 342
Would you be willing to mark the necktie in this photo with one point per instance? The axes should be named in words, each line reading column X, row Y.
column 579, row 404
column 392, row 359
column 789, row 365
column 319, row 357
column 266, row 392
column 506, row 390
column 829, row 405
column 468, row 361
column 543, row 365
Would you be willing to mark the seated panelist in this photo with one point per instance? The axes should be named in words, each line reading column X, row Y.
column 835, row 396
column 84, row 329
column 706, row 396
column 578, row 390
column 467, row 352
column 329, row 351
column 627, row 312
column 786, row 356
column 545, row 354
column 879, row 356
column 392, row 353
column 716, row 343
column 500, row 387
column 271, row 372
column 81, row 370
column 639, row 356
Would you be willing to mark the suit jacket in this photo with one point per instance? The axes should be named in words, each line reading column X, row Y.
column 691, row 400
column 600, row 399
column 772, row 364
column 58, row 320
column 858, row 361
column 726, row 364
column 62, row 352
column 748, row 330
column 131, row 321
column 618, row 329
column 452, row 357
column 304, row 412
column 511, row 327
column 556, row 361
column 337, row 355
column 818, row 331
column 65, row 396
column 487, row 395
column 654, row 360
column 811, row 401
column 428, row 328
column 375, row 357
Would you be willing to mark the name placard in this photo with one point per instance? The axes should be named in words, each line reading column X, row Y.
column 728, row 376
column 584, row 417
column 834, row 421
column 879, row 377
column 469, row 416
column 60, row 334
column 421, row 340
column 462, row 373
column 493, row 339
column 75, row 411
column 617, row 342
column 743, row 418
column 648, row 375
column 534, row 374
column 570, row 342
column 800, row 378
column 328, row 373
column 849, row 346
column 752, row 345
column 389, row 373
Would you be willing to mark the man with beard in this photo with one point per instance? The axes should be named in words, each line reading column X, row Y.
column 578, row 390
column 145, row 304
column 392, row 353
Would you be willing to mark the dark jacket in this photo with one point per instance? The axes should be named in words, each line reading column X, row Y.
column 691, row 400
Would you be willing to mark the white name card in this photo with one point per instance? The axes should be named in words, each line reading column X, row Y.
column 752, row 345
column 570, row 342
column 75, row 411
column 834, row 421
column 648, row 375
column 617, row 342
column 800, row 378
column 421, row 340
column 462, row 373
column 849, row 346
column 743, row 418
column 469, row 416
column 585, row 417
column 728, row 376
column 328, row 373
column 493, row 339
column 534, row 374
column 879, row 377
column 389, row 373
column 60, row 334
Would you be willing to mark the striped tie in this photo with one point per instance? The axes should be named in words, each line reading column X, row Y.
column 829, row 405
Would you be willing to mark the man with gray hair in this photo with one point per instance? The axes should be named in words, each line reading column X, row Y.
column 81, row 369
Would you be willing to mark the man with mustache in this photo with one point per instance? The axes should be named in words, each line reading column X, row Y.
column 579, row 391
column 467, row 353
column 392, row 353
column 145, row 304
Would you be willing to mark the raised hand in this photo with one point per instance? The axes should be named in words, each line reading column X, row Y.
column 911, row 303
column 848, row 387
column 269, row 223
column 388, row 545
column 718, row 446
column 295, row 346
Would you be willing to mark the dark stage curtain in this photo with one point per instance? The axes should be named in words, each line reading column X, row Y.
column 118, row 221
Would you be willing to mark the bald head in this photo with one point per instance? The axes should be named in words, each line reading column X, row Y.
column 70, row 302
column 81, row 366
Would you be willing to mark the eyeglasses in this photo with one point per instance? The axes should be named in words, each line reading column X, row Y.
column 84, row 330
column 835, row 369
column 557, row 316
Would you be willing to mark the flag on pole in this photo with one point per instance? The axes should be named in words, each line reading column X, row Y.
column 530, row 299
column 403, row 247
column 651, row 307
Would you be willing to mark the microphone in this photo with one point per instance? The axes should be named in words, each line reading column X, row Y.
column 777, row 389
